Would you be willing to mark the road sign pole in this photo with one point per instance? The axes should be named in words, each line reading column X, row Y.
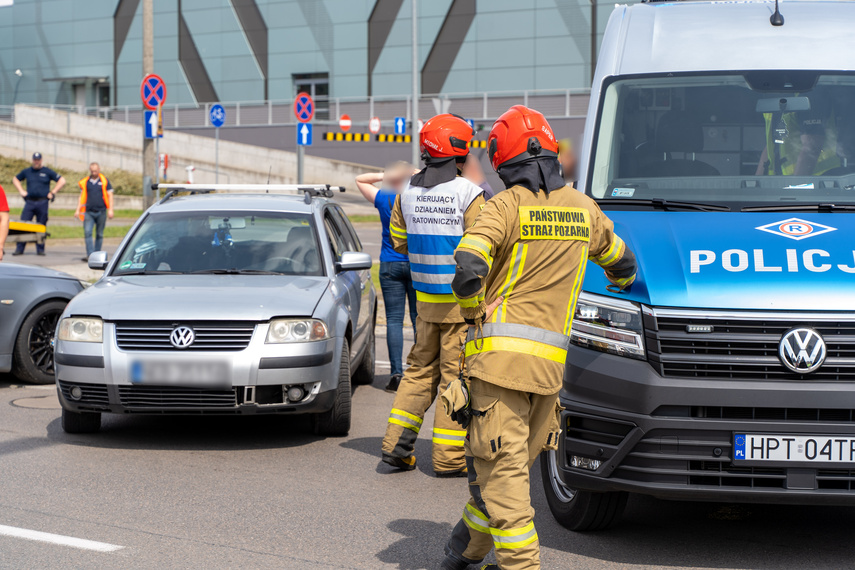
column 148, row 68
column 300, row 152
column 217, row 156
column 415, row 123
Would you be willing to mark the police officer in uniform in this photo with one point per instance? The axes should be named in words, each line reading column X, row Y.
column 37, row 196
column 519, row 271
column 427, row 222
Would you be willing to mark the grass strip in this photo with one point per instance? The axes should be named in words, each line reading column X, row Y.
column 70, row 232
column 16, row 213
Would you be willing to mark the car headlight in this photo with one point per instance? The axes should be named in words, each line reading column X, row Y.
column 608, row 325
column 81, row 329
column 296, row 330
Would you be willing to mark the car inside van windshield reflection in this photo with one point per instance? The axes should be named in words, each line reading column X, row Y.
column 261, row 243
column 761, row 137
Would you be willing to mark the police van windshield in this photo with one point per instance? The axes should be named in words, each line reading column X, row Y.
column 758, row 138
column 217, row 242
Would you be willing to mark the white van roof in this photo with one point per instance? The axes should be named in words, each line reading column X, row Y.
column 656, row 37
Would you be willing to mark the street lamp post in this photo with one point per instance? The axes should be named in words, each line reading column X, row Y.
column 20, row 75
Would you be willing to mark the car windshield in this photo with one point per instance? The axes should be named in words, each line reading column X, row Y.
column 223, row 242
column 751, row 139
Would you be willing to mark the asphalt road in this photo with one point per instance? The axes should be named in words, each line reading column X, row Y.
column 263, row 492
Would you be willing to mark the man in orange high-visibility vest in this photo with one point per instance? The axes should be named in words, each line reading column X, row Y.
column 94, row 207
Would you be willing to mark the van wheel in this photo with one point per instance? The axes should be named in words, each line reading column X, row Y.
column 336, row 421
column 578, row 510
column 80, row 422
column 364, row 374
column 33, row 353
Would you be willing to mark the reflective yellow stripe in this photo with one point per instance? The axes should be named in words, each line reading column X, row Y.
column 477, row 244
column 396, row 231
column 514, row 538
column 396, row 421
column 413, row 417
column 574, row 292
column 469, row 303
column 520, row 544
column 613, row 253
column 514, row 272
column 432, row 298
column 457, row 432
column 475, row 519
column 454, row 442
column 625, row 281
column 520, row 345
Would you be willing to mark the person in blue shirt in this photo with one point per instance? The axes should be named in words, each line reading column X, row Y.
column 395, row 281
column 37, row 196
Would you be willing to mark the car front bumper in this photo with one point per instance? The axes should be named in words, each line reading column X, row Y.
column 256, row 378
column 673, row 437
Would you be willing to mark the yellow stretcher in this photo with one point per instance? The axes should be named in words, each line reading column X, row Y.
column 26, row 232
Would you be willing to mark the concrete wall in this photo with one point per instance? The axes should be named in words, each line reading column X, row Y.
column 73, row 140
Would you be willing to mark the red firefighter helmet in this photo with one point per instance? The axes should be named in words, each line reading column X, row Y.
column 446, row 136
column 520, row 134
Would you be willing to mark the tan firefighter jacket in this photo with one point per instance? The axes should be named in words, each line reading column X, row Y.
column 532, row 250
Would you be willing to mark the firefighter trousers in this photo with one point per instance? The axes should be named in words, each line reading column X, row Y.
column 502, row 445
column 433, row 363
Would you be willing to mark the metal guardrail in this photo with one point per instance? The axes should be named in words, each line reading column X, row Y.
column 565, row 103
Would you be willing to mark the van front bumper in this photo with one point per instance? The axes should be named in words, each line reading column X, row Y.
column 672, row 438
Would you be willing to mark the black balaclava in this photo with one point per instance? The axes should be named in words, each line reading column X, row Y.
column 537, row 173
column 436, row 171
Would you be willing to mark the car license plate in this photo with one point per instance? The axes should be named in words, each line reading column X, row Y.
column 813, row 449
column 177, row 373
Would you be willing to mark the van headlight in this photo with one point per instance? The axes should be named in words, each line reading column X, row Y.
column 296, row 330
column 81, row 329
column 608, row 325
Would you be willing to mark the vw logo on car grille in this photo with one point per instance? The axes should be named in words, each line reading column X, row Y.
column 182, row 337
column 802, row 350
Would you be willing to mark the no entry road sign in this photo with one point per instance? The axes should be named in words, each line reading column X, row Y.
column 153, row 91
column 304, row 107
column 345, row 123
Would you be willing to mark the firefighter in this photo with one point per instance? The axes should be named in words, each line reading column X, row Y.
column 518, row 275
column 427, row 222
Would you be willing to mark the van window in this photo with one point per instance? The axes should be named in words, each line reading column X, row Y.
column 738, row 139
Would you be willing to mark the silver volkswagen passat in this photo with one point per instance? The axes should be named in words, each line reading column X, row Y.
column 223, row 304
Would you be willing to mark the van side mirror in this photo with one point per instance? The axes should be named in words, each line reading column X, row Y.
column 352, row 261
column 98, row 260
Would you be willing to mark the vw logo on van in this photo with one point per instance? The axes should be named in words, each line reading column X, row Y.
column 802, row 350
column 182, row 337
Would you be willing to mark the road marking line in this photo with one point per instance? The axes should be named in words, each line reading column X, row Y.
column 81, row 543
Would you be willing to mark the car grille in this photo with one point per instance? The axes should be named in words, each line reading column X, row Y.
column 94, row 395
column 168, row 397
column 743, row 346
column 210, row 335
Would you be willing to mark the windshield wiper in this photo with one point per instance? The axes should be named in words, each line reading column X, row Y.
column 664, row 204
column 151, row 272
column 235, row 272
column 801, row 207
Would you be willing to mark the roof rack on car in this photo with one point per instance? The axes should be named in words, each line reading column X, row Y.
column 308, row 190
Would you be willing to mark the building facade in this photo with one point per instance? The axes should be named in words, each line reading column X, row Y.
column 89, row 52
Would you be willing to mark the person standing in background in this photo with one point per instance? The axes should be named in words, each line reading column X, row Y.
column 37, row 196
column 473, row 172
column 395, row 280
column 4, row 220
column 567, row 160
column 94, row 207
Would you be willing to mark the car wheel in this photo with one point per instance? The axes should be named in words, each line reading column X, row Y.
column 80, row 422
column 364, row 375
column 336, row 421
column 574, row 509
column 33, row 355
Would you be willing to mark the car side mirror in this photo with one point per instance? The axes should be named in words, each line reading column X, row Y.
column 352, row 261
column 98, row 260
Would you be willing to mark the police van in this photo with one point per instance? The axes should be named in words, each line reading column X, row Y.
column 721, row 141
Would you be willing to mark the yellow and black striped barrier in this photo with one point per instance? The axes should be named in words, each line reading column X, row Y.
column 394, row 138
column 477, row 144
column 347, row 137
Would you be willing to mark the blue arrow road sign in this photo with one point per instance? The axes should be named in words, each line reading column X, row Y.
column 218, row 115
column 151, row 124
column 471, row 123
column 304, row 134
column 400, row 125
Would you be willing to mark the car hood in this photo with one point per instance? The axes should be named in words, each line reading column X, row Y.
column 737, row 260
column 34, row 271
column 200, row 297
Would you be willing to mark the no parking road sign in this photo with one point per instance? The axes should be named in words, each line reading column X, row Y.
column 153, row 91
column 304, row 107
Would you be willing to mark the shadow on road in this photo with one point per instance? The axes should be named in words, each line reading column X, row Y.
column 710, row 535
column 421, row 547
column 371, row 446
column 192, row 432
